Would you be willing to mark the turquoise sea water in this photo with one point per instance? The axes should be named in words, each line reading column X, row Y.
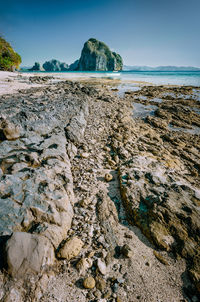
column 154, row 77
column 163, row 77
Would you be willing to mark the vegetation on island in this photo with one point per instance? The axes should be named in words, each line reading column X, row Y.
column 9, row 59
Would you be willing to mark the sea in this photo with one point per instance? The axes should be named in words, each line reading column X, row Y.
column 186, row 78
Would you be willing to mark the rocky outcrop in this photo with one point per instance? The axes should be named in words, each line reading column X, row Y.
column 96, row 56
column 36, row 185
column 55, row 65
column 36, row 67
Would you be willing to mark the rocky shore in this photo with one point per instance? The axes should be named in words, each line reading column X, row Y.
column 99, row 193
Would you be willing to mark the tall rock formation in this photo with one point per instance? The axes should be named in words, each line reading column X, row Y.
column 96, row 56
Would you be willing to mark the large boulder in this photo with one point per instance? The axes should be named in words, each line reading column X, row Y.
column 96, row 55
column 28, row 253
column 55, row 65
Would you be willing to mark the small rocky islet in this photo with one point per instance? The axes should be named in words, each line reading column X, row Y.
column 99, row 203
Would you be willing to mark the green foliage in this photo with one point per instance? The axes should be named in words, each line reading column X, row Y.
column 9, row 59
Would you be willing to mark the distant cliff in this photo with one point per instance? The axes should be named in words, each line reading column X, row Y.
column 97, row 56
column 55, row 65
column 9, row 59
column 36, row 67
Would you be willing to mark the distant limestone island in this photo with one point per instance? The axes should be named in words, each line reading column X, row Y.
column 95, row 56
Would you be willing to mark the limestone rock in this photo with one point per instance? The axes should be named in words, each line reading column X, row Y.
column 71, row 248
column 55, row 65
column 127, row 251
column 83, row 265
column 74, row 66
column 97, row 56
column 102, row 266
column 28, row 253
column 89, row 282
column 36, row 67
column 9, row 130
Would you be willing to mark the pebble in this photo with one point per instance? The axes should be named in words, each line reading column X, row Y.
column 108, row 177
column 126, row 251
column 89, row 282
column 102, row 266
column 84, row 155
column 83, row 265
column 160, row 258
column 100, row 283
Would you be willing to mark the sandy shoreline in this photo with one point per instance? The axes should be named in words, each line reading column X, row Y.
column 11, row 82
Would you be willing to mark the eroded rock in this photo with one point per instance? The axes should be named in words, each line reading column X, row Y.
column 28, row 253
column 71, row 248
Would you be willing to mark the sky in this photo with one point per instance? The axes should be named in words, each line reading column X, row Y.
column 143, row 32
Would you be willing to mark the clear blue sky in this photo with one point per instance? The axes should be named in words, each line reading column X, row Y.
column 144, row 32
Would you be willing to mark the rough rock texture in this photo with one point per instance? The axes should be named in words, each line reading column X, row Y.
column 36, row 185
column 36, row 67
column 55, row 65
column 97, row 56
column 71, row 248
column 159, row 177
column 143, row 156
column 28, row 253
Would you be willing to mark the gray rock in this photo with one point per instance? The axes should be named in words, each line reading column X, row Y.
column 97, row 56
column 55, row 65
column 28, row 253
column 36, row 184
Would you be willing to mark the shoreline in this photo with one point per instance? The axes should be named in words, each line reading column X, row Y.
column 64, row 138
column 12, row 81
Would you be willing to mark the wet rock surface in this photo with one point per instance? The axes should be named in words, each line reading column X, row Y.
column 55, row 185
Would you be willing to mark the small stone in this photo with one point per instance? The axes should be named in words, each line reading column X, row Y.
column 126, row 235
column 100, row 283
column 71, row 248
column 108, row 177
column 89, row 282
column 85, row 202
column 106, row 149
column 102, row 266
column 118, row 299
column 83, row 265
column 126, row 251
column 107, row 294
column 84, row 155
column 97, row 294
column 160, row 258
